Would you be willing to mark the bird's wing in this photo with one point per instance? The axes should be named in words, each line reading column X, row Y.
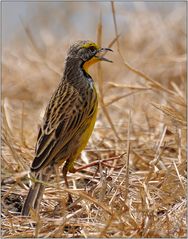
column 64, row 116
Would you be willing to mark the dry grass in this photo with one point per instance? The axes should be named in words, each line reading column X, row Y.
column 136, row 183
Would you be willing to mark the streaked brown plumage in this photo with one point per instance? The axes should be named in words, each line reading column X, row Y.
column 68, row 121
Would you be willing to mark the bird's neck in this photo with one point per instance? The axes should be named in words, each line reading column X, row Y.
column 75, row 74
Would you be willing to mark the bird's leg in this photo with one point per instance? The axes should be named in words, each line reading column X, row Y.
column 56, row 170
column 65, row 170
column 60, row 207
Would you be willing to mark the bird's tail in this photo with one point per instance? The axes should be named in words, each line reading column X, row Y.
column 35, row 194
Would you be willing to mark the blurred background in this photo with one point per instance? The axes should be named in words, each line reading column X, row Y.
column 36, row 36
column 67, row 18
column 147, row 78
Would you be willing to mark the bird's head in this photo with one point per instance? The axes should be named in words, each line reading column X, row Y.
column 88, row 53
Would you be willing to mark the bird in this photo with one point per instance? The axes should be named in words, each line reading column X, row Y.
column 68, row 121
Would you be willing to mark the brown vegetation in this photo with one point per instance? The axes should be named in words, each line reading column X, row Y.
column 136, row 183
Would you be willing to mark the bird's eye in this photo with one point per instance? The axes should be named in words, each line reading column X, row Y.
column 92, row 48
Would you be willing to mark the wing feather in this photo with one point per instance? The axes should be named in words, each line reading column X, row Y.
column 59, row 126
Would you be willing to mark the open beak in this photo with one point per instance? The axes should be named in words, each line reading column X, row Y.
column 101, row 57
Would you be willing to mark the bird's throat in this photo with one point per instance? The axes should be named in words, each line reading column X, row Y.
column 87, row 64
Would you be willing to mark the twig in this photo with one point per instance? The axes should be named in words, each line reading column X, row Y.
column 97, row 162
column 138, row 72
column 128, row 157
column 100, row 78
